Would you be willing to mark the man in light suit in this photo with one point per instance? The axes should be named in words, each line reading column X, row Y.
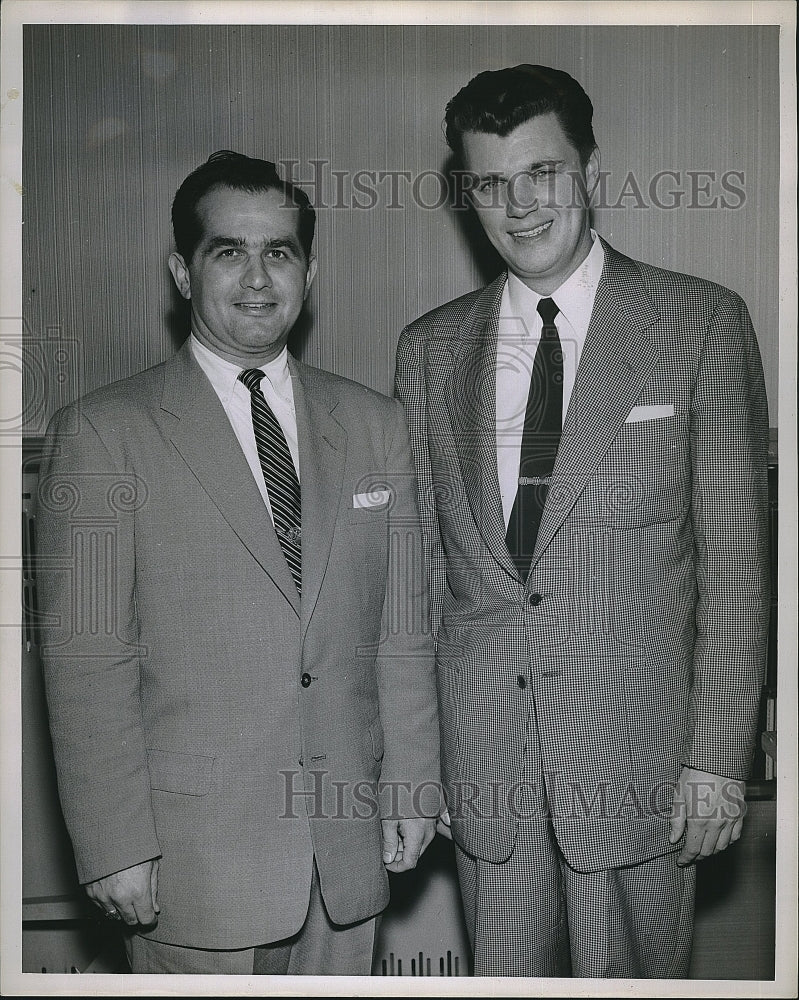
column 240, row 687
column 590, row 437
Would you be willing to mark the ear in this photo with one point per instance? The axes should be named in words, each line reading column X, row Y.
column 310, row 275
column 180, row 272
column 592, row 173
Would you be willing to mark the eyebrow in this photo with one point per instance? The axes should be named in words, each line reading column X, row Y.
column 535, row 165
column 544, row 163
column 277, row 243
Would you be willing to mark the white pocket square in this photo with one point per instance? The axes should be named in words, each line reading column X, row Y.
column 374, row 498
column 639, row 413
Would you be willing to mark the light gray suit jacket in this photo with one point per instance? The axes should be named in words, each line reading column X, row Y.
column 200, row 711
column 640, row 632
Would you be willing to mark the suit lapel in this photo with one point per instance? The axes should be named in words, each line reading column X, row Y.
column 323, row 451
column 471, row 400
column 209, row 446
column 616, row 361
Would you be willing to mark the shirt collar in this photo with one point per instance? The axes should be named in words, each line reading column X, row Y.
column 574, row 298
column 223, row 374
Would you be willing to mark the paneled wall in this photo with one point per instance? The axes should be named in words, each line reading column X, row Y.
column 116, row 116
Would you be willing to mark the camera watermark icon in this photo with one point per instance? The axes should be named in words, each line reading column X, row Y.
column 48, row 369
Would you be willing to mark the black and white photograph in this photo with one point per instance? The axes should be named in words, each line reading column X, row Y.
column 398, row 442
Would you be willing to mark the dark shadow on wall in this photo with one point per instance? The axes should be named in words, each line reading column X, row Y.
column 488, row 262
column 301, row 333
column 178, row 318
column 422, row 931
column 734, row 926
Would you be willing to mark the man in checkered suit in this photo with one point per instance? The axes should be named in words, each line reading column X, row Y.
column 598, row 691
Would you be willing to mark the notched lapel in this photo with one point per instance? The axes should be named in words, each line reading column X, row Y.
column 323, row 453
column 616, row 362
column 209, row 446
column 471, row 401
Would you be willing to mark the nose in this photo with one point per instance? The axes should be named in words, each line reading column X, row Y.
column 256, row 273
column 521, row 196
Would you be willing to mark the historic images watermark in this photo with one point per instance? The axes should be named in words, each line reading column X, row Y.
column 366, row 189
column 554, row 797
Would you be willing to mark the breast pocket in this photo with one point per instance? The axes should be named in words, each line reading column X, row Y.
column 367, row 503
column 181, row 773
column 645, row 478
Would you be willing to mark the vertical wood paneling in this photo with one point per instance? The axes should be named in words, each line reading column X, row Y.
column 116, row 116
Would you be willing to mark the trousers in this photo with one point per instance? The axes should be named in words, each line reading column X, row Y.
column 534, row 915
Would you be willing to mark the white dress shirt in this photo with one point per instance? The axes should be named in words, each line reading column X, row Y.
column 518, row 336
column 235, row 398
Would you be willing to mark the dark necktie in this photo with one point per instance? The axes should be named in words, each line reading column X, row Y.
column 540, row 440
column 279, row 474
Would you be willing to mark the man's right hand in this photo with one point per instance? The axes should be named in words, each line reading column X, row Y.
column 131, row 894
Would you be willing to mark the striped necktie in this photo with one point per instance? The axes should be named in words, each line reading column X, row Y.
column 280, row 476
column 540, row 440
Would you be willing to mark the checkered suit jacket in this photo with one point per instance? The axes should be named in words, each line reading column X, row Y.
column 645, row 649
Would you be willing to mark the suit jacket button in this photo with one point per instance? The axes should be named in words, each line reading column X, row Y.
column 535, row 599
column 521, row 680
column 305, row 680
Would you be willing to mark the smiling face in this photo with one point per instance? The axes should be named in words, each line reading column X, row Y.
column 531, row 197
column 248, row 277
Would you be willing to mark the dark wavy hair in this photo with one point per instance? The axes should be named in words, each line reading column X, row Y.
column 227, row 169
column 498, row 101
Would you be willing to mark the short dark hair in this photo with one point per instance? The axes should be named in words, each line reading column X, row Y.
column 498, row 101
column 227, row 169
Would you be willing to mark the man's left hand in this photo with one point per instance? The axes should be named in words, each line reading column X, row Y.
column 404, row 842
column 709, row 810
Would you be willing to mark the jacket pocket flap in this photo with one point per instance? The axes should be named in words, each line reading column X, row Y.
column 184, row 773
